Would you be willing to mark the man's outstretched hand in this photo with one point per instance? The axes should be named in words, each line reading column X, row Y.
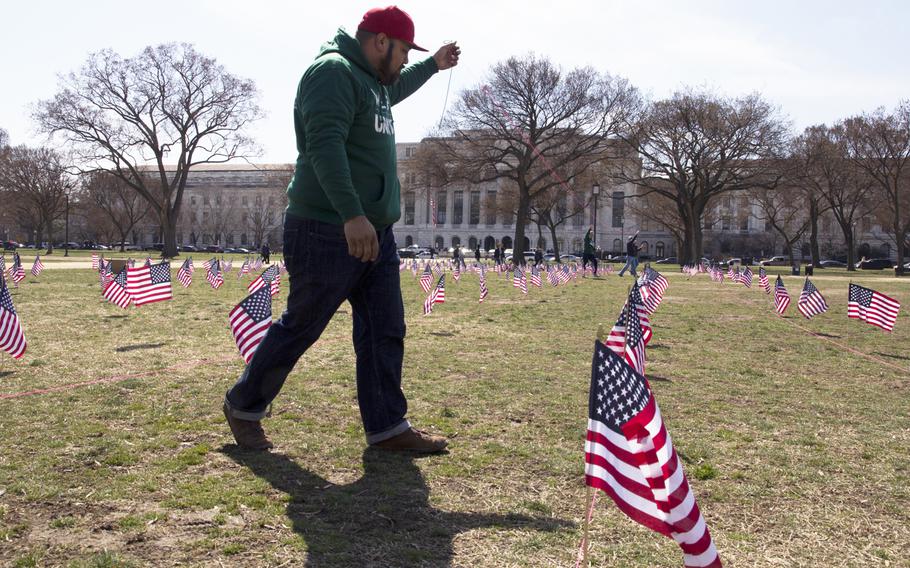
column 362, row 241
column 447, row 56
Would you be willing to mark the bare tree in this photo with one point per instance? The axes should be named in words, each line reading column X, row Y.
column 846, row 189
column 785, row 212
column 555, row 206
column 123, row 207
column 696, row 146
column 220, row 214
column 37, row 183
column 661, row 210
column 879, row 144
column 534, row 125
column 131, row 116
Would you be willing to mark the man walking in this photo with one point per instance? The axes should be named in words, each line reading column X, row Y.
column 338, row 242
column 589, row 252
column 631, row 256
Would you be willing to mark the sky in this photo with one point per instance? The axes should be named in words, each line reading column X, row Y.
column 817, row 61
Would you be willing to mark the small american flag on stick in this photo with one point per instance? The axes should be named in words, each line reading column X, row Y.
column 250, row 321
column 872, row 307
column 781, row 297
column 37, row 267
column 12, row 339
column 811, row 302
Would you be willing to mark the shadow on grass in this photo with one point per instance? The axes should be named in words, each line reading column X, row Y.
column 892, row 356
column 126, row 348
column 5, row 373
column 831, row 335
column 656, row 379
column 116, row 316
column 442, row 333
column 658, row 346
column 382, row 519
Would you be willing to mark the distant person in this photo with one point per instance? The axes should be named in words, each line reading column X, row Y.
column 477, row 253
column 631, row 256
column 265, row 253
column 432, row 253
column 538, row 256
column 589, row 252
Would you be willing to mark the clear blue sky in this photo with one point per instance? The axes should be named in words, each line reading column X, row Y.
column 817, row 61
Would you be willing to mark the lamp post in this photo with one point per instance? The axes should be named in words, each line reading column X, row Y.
column 596, row 191
column 66, row 243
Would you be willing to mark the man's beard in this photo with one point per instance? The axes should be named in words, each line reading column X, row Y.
column 388, row 75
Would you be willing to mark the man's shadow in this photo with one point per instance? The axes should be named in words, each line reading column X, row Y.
column 382, row 519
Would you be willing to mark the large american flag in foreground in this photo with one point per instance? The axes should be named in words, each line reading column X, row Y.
column 12, row 340
column 250, row 321
column 150, row 283
column 811, row 302
column 629, row 455
column 653, row 284
column 872, row 307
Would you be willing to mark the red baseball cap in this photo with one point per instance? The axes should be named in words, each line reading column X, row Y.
column 391, row 21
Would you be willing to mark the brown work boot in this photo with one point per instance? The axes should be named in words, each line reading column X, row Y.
column 414, row 440
column 248, row 433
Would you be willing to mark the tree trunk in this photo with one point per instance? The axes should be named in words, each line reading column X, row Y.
column 518, row 246
column 813, row 232
column 848, row 238
column 50, row 238
column 169, row 224
column 555, row 243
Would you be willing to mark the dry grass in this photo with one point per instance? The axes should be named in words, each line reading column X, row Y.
column 796, row 450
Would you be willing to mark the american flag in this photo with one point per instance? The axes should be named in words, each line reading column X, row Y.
column 208, row 264
column 426, row 279
column 250, row 321
column 732, row 275
column 38, row 266
column 12, row 340
column 269, row 276
column 115, row 290
column 627, row 336
column 483, row 284
column 257, row 265
column 244, row 268
column 214, row 276
column 552, row 276
column 185, row 274
column 811, row 302
column 17, row 271
column 563, row 273
column 227, row 265
column 535, row 276
column 189, row 264
column 437, row 296
column 652, row 284
column 94, row 261
column 872, row 307
column 630, row 456
column 2, row 266
column 746, row 277
column 763, row 280
column 519, row 281
column 781, row 297
column 149, row 284
column 104, row 273
column 456, row 272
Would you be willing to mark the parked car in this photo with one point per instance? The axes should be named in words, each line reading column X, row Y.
column 831, row 264
column 188, row 248
column 775, row 261
column 125, row 245
column 409, row 251
column 214, row 248
column 668, row 260
column 875, row 264
column 10, row 245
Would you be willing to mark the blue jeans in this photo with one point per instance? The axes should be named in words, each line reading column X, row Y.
column 322, row 276
column 631, row 265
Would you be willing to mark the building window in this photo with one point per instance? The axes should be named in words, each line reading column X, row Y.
column 438, row 243
column 475, row 208
column 644, row 248
column 577, row 246
column 243, row 201
column 193, row 200
column 491, row 208
column 408, row 241
column 617, row 246
column 229, row 239
column 472, row 243
column 744, row 224
column 456, row 242
column 409, row 152
column 458, row 213
column 619, row 209
column 725, row 224
column 659, row 249
column 205, row 200
column 409, row 208
column 579, row 217
column 243, row 239
column 441, row 208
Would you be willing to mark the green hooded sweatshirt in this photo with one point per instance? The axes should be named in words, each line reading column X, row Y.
column 346, row 163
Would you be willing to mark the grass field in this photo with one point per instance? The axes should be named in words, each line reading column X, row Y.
column 796, row 449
